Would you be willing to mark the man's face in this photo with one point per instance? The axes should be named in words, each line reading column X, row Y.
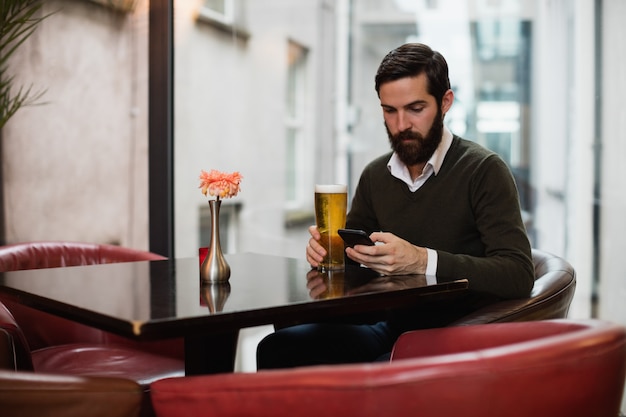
column 413, row 120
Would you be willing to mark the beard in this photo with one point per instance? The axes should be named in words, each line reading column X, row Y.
column 412, row 148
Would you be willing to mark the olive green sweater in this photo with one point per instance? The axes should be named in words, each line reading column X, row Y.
column 469, row 213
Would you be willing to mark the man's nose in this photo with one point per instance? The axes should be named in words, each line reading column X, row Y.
column 404, row 123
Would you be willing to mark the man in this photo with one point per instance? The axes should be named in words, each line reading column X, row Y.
column 438, row 205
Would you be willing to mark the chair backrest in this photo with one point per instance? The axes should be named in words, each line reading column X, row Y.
column 36, row 255
column 42, row 329
column 551, row 296
column 557, row 368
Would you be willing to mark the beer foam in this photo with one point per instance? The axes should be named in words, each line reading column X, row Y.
column 331, row 188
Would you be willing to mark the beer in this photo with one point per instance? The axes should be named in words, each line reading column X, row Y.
column 331, row 202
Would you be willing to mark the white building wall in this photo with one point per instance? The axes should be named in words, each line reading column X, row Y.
column 75, row 167
column 551, row 91
column 612, row 283
column 612, row 290
column 563, row 133
column 579, row 153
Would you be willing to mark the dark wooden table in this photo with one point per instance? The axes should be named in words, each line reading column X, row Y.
column 153, row 300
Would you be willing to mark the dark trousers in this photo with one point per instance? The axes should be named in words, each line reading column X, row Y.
column 326, row 343
column 345, row 342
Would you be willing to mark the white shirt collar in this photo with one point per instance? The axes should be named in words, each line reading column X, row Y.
column 399, row 170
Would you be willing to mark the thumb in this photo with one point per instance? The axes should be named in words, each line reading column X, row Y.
column 383, row 237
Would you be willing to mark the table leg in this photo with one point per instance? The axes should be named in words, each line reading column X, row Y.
column 210, row 353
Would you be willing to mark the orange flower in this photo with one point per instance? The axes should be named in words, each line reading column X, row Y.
column 220, row 184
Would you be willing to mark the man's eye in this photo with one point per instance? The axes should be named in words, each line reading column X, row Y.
column 416, row 109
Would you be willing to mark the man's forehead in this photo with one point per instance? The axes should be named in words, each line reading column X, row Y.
column 405, row 92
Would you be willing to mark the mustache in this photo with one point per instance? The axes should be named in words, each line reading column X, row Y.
column 407, row 135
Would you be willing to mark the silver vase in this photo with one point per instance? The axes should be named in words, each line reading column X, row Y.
column 215, row 269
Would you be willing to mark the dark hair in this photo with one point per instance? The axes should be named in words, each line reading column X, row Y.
column 410, row 60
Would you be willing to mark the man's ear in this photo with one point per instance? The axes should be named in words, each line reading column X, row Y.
column 446, row 101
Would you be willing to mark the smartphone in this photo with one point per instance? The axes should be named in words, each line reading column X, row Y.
column 353, row 237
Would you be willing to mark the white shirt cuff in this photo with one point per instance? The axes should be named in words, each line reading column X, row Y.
column 431, row 267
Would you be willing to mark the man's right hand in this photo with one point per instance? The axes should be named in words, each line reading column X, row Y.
column 314, row 251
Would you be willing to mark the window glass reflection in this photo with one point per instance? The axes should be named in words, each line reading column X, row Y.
column 292, row 103
column 331, row 118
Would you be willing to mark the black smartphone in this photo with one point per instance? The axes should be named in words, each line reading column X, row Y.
column 353, row 237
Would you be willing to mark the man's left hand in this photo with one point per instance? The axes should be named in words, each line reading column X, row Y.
column 395, row 256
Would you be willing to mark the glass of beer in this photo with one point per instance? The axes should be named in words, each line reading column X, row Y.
column 331, row 202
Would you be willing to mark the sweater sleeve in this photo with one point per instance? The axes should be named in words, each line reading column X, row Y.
column 361, row 214
column 506, row 270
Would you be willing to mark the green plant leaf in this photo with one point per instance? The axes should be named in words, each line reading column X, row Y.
column 18, row 21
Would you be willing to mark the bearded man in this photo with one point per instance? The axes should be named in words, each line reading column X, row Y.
column 437, row 205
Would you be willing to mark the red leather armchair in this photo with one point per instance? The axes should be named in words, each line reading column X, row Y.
column 26, row 394
column 89, row 359
column 540, row 369
column 49, row 344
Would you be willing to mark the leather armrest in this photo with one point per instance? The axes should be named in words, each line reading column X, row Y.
column 25, row 394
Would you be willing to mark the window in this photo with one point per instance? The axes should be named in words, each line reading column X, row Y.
column 294, row 123
column 219, row 10
column 225, row 15
column 538, row 82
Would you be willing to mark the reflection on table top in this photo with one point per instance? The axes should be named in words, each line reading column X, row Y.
column 152, row 299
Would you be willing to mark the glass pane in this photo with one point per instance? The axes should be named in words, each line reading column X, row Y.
column 218, row 6
column 229, row 111
column 522, row 74
column 291, row 167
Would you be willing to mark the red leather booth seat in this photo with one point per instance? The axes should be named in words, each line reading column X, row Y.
column 49, row 344
column 26, row 394
column 90, row 360
column 36, row 255
column 540, row 369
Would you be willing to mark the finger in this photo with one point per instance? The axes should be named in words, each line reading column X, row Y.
column 352, row 254
column 317, row 248
column 312, row 261
column 383, row 237
column 310, row 256
column 367, row 250
column 314, row 232
column 314, row 253
column 357, row 256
